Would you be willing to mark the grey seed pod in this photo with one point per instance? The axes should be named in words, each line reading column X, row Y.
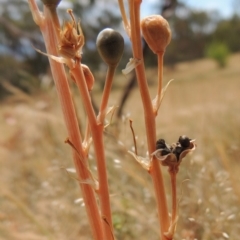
column 51, row 2
column 110, row 45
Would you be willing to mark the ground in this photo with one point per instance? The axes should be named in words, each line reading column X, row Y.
column 38, row 196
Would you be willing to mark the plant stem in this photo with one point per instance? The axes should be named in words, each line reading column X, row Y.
column 173, row 175
column 149, row 115
column 87, row 134
column 97, row 135
column 69, row 114
column 160, row 72
column 106, row 93
column 53, row 17
column 157, row 101
column 124, row 16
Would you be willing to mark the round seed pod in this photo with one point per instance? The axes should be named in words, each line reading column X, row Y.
column 156, row 32
column 51, row 2
column 110, row 45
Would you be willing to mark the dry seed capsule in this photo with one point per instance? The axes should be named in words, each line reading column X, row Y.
column 88, row 76
column 110, row 46
column 51, row 2
column 156, row 32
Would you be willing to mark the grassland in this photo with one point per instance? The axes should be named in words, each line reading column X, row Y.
column 38, row 196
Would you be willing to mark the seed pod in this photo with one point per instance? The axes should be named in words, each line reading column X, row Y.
column 71, row 40
column 156, row 32
column 110, row 46
column 51, row 2
column 88, row 76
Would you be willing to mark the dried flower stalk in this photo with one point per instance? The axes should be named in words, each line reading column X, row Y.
column 79, row 155
column 68, row 42
column 149, row 115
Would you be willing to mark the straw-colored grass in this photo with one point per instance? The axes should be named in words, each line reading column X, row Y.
column 38, row 195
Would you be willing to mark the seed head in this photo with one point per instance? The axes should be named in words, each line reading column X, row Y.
column 110, row 46
column 71, row 39
column 156, row 32
column 51, row 2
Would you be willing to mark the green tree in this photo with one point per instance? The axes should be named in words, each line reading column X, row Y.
column 228, row 32
column 189, row 36
column 219, row 52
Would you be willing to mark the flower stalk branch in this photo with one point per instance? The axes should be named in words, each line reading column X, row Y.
column 65, row 98
column 64, row 46
column 157, row 100
column 173, row 176
column 97, row 136
column 106, row 94
column 149, row 115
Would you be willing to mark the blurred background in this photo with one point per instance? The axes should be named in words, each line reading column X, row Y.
column 39, row 200
column 210, row 29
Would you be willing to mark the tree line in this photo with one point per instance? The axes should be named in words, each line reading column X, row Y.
column 195, row 35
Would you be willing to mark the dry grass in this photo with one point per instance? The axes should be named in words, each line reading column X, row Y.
column 37, row 195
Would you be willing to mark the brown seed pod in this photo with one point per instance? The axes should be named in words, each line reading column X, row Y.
column 156, row 32
column 88, row 76
column 71, row 39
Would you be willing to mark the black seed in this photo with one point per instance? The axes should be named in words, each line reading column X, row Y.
column 165, row 151
column 177, row 151
column 184, row 141
column 160, row 144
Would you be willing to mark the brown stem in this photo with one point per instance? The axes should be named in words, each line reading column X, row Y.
column 150, row 124
column 97, row 135
column 37, row 15
column 69, row 114
column 173, row 175
column 160, row 73
column 134, row 138
column 124, row 16
column 87, row 134
column 106, row 93
column 55, row 21
column 157, row 101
